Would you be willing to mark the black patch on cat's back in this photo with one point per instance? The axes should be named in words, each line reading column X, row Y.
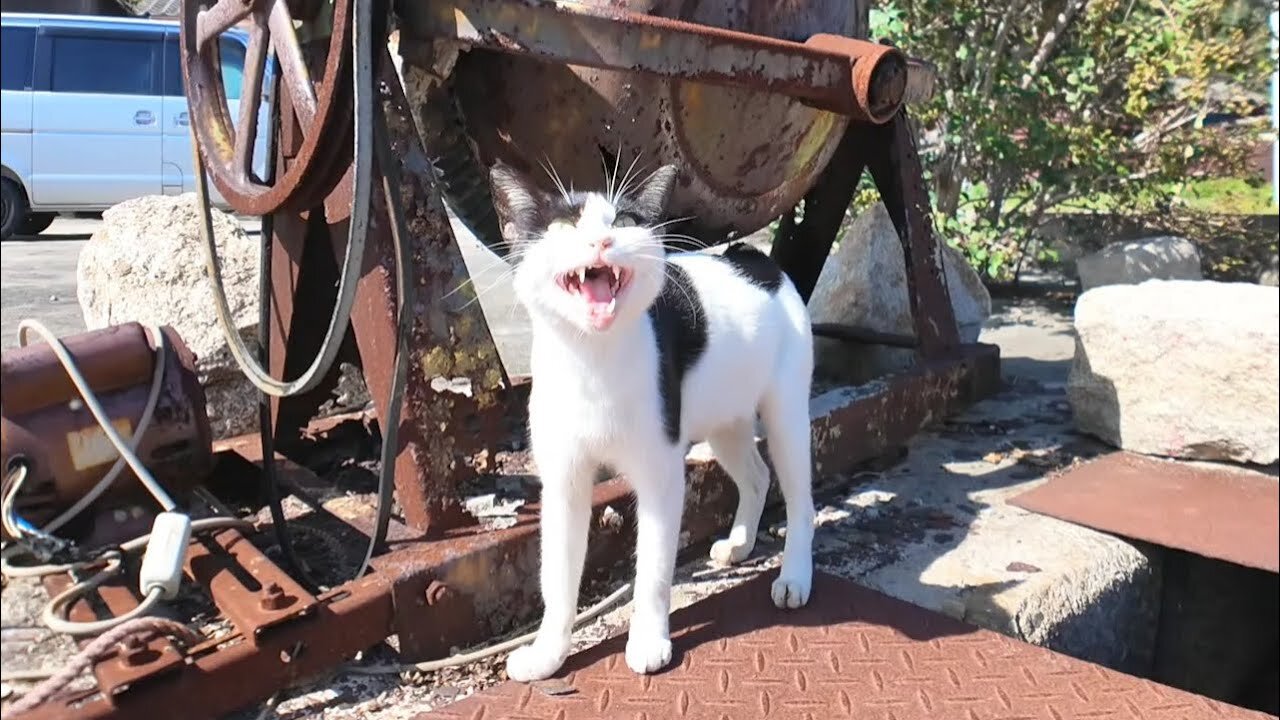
column 754, row 266
column 680, row 327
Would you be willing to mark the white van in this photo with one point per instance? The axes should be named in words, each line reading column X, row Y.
column 93, row 113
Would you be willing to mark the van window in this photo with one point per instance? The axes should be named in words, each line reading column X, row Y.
column 100, row 64
column 17, row 50
column 232, row 55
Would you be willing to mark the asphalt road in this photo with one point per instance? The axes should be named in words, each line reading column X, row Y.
column 38, row 280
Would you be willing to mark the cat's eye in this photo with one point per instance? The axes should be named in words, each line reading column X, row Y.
column 625, row 219
column 560, row 226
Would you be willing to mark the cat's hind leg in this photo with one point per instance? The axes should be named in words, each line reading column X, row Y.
column 735, row 449
column 785, row 413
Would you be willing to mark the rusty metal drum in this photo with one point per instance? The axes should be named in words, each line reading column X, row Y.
column 745, row 155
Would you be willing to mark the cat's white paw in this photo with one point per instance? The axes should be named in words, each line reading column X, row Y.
column 730, row 552
column 648, row 654
column 791, row 589
column 534, row 662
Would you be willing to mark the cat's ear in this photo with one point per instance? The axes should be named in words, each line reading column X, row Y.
column 515, row 198
column 651, row 197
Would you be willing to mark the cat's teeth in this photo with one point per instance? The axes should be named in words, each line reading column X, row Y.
column 612, row 304
column 582, row 275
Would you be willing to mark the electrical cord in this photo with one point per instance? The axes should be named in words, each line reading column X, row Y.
column 467, row 658
column 54, row 613
column 357, row 231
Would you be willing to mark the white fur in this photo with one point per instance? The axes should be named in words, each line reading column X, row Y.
column 595, row 402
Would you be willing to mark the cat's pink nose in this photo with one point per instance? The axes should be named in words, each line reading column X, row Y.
column 603, row 243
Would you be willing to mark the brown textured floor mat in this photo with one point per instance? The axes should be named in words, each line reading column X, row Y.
column 1218, row 513
column 852, row 653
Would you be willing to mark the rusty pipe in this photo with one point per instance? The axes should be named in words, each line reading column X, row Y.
column 863, row 80
column 44, row 424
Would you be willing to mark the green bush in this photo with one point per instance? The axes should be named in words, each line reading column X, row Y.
column 1050, row 105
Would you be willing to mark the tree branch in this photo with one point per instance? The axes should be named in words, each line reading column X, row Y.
column 1049, row 42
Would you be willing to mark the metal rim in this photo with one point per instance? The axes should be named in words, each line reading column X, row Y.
column 321, row 106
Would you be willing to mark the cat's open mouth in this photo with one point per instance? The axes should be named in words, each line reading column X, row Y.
column 599, row 286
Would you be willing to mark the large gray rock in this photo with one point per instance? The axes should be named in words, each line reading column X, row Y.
column 146, row 264
column 864, row 284
column 1180, row 369
column 1132, row 262
column 1271, row 275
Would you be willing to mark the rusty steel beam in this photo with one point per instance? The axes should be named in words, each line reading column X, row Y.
column 230, row 673
column 453, row 403
column 891, row 156
column 857, row 78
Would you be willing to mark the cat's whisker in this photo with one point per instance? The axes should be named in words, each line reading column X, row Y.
column 555, row 176
column 627, row 179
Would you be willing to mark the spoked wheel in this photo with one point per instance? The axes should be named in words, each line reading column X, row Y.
column 321, row 107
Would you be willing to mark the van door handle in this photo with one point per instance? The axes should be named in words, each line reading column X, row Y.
column 182, row 120
column 143, row 117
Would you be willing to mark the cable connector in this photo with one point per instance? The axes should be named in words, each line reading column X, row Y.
column 162, row 564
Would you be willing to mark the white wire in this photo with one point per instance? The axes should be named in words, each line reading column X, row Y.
column 54, row 613
column 585, row 616
column 144, row 422
column 91, row 401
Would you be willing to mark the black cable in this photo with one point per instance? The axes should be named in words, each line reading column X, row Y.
column 404, row 324
column 266, row 234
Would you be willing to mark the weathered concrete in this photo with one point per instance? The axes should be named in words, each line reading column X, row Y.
column 864, row 284
column 1135, row 261
column 1180, row 369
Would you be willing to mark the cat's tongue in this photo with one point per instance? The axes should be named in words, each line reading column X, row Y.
column 598, row 293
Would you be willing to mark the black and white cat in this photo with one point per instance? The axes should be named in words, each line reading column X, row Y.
column 636, row 354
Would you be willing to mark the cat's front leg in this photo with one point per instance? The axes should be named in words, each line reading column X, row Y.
column 565, row 517
column 659, row 486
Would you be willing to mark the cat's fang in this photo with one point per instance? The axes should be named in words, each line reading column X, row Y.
column 582, row 275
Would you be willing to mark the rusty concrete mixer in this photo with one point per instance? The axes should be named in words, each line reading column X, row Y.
column 746, row 155
column 762, row 105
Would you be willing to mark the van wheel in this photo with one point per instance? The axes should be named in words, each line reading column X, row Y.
column 36, row 223
column 13, row 208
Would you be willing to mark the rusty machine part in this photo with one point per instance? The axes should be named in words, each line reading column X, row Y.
column 749, row 118
column 46, row 426
column 316, row 125
column 759, row 122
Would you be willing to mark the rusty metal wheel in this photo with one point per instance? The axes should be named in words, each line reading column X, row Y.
column 321, row 108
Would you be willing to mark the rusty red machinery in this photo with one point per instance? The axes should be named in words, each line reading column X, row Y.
column 764, row 106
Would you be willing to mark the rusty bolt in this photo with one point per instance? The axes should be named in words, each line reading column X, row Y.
column 134, row 652
column 274, row 598
column 437, row 592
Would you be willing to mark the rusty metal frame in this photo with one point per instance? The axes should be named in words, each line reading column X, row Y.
column 444, row 582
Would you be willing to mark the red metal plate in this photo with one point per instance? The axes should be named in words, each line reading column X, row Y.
column 1221, row 513
column 852, row 653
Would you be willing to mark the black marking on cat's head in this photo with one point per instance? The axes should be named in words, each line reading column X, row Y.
column 525, row 210
column 754, row 266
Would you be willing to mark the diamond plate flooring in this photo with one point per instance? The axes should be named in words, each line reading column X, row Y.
column 852, row 653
